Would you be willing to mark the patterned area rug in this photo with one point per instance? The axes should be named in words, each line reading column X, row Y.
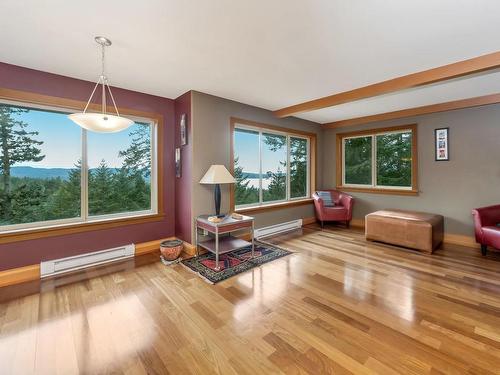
column 233, row 263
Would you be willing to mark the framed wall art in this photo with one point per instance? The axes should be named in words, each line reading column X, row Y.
column 442, row 146
column 183, row 132
column 178, row 162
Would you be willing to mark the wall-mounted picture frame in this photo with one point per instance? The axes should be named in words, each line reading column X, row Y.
column 178, row 168
column 442, row 144
column 183, row 127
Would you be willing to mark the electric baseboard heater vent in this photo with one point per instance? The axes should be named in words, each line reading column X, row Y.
column 58, row 266
column 278, row 228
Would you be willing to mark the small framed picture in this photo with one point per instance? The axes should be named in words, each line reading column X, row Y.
column 441, row 141
column 178, row 162
column 183, row 130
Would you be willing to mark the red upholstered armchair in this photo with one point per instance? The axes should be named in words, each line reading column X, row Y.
column 340, row 211
column 486, row 226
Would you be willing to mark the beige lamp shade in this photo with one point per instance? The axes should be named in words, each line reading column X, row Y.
column 217, row 174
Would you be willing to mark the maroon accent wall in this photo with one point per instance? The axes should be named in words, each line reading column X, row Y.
column 183, row 225
column 31, row 252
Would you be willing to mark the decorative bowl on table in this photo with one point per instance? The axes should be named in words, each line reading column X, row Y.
column 171, row 249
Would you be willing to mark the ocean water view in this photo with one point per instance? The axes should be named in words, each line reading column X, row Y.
column 254, row 182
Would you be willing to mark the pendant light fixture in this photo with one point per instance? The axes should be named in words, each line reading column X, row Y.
column 101, row 122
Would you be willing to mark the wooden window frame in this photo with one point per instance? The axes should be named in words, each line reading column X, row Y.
column 291, row 132
column 374, row 132
column 29, row 98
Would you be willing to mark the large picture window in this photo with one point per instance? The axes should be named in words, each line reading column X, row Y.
column 378, row 160
column 53, row 172
column 270, row 166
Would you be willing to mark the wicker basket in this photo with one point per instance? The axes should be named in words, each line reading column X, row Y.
column 171, row 249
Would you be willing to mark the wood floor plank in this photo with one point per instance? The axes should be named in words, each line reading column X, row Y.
column 338, row 305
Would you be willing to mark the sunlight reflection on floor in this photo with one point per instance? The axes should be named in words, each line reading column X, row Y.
column 115, row 320
column 267, row 284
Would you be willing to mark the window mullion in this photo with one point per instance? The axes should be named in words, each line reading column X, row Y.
column 308, row 166
column 154, row 168
column 374, row 160
column 343, row 161
column 260, row 168
column 288, row 195
column 84, row 178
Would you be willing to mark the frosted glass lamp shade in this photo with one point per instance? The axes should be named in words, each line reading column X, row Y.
column 101, row 123
column 217, row 174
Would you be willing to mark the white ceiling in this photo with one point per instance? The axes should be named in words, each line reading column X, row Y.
column 268, row 53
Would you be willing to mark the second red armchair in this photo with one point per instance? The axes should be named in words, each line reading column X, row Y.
column 333, row 205
column 487, row 227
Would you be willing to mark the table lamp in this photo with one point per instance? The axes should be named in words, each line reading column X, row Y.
column 216, row 175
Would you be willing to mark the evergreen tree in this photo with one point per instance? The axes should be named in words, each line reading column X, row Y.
column 26, row 202
column 16, row 146
column 131, row 192
column 137, row 157
column 358, row 160
column 277, row 187
column 66, row 202
column 122, row 185
column 394, row 159
column 244, row 194
column 298, row 167
column 139, row 194
column 132, row 186
column 101, row 190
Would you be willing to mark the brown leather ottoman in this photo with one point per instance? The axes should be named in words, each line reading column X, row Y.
column 416, row 230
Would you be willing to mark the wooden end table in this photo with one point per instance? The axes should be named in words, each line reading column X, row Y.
column 225, row 244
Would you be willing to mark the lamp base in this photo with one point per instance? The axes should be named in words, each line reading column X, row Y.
column 217, row 199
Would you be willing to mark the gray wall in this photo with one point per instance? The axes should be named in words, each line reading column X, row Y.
column 211, row 145
column 470, row 179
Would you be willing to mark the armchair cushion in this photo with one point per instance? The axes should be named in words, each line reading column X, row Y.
column 327, row 198
column 336, row 213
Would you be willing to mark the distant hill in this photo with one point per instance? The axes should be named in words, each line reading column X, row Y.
column 63, row 173
column 250, row 175
column 256, row 175
column 45, row 173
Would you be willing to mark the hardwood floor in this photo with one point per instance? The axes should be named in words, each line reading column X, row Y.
column 338, row 305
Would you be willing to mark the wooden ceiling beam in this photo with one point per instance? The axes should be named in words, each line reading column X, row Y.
column 446, row 72
column 426, row 109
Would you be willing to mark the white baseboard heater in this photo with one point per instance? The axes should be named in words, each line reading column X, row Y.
column 278, row 228
column 57, row 266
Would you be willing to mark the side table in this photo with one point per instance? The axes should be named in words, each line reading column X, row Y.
column 225, row 244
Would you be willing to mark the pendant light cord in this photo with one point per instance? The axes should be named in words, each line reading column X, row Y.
column 104, row 81
column 103, row 77
column 103, row 56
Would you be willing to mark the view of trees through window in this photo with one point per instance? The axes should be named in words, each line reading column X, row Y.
column 124, row 185
column 298, row 167
column 358, row 161
column 264, row 179
column 393, row 164
column 246, row 166
column 274, row 156
column 41, row 168
column 394, row 159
